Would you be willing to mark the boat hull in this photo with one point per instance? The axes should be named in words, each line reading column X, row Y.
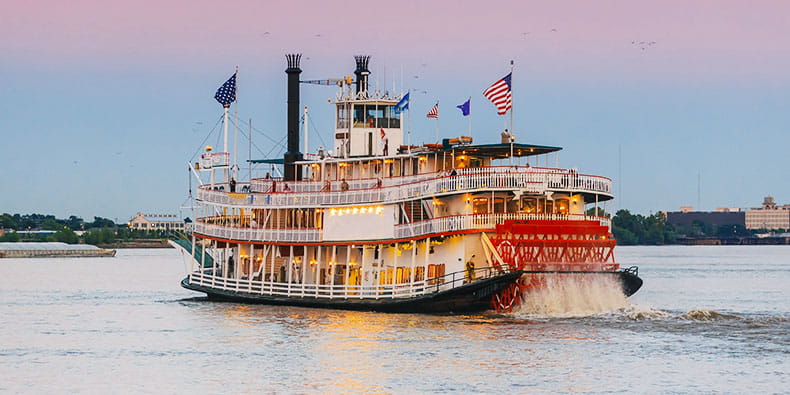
column 466, row 298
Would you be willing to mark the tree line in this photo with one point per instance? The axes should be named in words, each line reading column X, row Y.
column 653, row 229
column 627, row 228
column 99, row 231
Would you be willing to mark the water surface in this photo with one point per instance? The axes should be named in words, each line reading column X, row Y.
column 709, row 318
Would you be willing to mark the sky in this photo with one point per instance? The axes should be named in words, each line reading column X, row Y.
column 102, row 104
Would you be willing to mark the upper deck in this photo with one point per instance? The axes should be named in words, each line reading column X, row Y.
column 272, row 193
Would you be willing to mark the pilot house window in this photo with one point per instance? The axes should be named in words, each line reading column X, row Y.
column 370, row 116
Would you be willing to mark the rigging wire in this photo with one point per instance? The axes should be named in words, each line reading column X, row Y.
column 200, row 147
column 278, row 145
column 312, row 125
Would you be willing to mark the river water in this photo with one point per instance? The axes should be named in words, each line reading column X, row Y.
column 709, row 318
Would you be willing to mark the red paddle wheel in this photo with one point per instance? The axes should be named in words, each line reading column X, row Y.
column 549, row 246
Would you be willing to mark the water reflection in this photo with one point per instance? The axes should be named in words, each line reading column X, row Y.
column 717, row 333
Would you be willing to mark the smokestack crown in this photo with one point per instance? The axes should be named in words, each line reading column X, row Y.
column 293, row 63
column 362, row 72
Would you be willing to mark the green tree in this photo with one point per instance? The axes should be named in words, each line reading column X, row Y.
column 631, row 229
column 50, row 224
column 99, row 222
column 10, row 237
column 66, row 235
column 74, row 222
column 7, row 221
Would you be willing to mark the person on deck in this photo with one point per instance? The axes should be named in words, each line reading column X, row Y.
column 344, row 185
column 470, row 270
column 230, row 265
column 286, row 188
column 232, row 184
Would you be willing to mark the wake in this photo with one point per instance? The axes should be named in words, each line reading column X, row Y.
column 576, row 296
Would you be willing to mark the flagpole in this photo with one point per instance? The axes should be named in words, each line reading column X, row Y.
column 512, row 133
column 236, row 128
column 511, row 97
column 437, row 122
column 225, row 127
column 470, row 116
column 408, row 125
column 249, row 153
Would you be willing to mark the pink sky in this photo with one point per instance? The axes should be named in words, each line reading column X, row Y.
column 719, row 38
column 693, row 103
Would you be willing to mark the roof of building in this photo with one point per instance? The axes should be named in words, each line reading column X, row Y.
column 159, row 217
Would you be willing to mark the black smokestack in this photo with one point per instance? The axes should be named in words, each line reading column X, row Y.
column 362, row 72
column 293, row 173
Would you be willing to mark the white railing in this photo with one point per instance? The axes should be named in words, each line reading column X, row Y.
column 447, row 224
column 245, row 233
column 309, row 194
column 481, row 221
column 327, row 291
column 315, row 290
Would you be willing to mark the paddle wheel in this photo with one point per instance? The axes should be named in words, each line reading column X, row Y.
column 549, row 246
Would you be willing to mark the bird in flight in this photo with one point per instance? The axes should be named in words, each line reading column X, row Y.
column 643, row 44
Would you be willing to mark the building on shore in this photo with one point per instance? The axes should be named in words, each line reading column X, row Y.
column 156, row 222
column 769, row 216
column 723, row 216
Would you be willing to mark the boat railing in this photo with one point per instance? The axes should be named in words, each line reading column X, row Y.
column 249, row 233
column 229, row 228
column 369, row 191
column 456, row 223
column 342, row 291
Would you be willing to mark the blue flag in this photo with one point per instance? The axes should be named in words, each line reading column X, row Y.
column 226, row 93
column 466, row 107
column 403, row 104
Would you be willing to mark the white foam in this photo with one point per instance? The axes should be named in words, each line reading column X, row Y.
column 639, row 313
column 572, row 295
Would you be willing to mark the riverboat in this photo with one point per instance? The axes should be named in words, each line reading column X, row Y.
column 379, row 224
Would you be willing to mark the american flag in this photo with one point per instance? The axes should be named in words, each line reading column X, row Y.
column 499, row 94
column 434, row 113
column 226, row 93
